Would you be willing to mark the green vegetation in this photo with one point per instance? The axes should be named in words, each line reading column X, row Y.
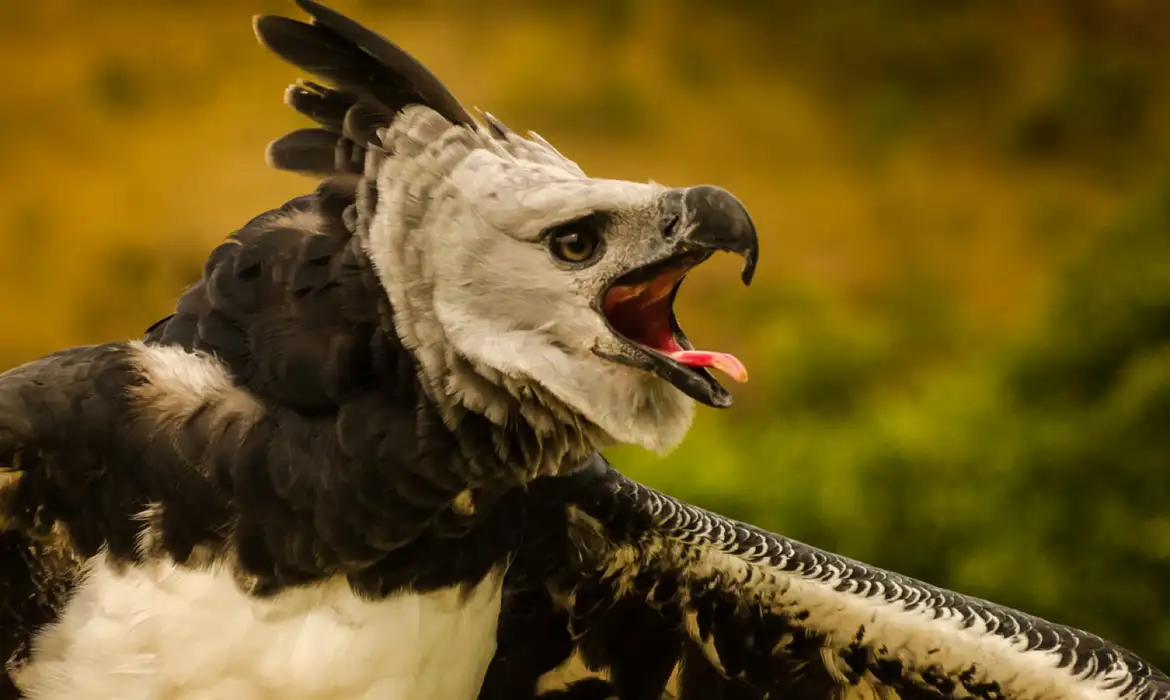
column 959, row 337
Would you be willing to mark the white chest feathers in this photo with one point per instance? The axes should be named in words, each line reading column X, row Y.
column 163, row 633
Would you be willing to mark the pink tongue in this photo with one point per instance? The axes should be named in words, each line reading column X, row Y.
column 729, row 364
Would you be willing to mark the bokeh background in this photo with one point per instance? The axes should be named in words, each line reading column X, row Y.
column 959, row 337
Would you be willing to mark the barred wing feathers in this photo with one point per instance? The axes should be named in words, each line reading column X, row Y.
column 652, row 597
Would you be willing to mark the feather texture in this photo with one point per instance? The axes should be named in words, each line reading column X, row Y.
column 634, row 594
column 273, row 423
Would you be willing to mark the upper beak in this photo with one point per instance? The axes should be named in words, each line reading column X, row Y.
column 706, row 218
column 695, row 222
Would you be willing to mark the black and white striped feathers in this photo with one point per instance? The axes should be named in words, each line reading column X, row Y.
column 657, row 598
column 309, row 482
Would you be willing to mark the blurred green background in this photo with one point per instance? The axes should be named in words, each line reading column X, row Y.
column 959, row 337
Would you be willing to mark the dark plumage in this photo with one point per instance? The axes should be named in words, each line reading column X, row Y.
column 278, row 429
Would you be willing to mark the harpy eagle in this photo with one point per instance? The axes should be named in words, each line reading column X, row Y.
column 360, row 459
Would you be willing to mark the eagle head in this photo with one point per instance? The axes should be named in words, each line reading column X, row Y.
column 517, row 279
column 527, row 291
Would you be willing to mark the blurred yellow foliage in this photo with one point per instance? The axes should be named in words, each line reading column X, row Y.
column 133, row 134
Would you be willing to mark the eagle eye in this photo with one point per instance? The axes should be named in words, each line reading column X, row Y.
column 576, row 241
column 574, row 246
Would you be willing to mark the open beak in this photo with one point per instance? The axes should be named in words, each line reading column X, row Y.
column 639, row 305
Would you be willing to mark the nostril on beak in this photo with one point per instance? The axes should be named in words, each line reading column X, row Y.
column 670, row 227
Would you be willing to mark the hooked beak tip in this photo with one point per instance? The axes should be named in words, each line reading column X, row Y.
column 723, row 222
column 749, row 268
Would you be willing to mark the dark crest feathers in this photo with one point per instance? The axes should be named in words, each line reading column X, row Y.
column 374, row 79
column 323, row 105
column 410, row 76
column 318, row 152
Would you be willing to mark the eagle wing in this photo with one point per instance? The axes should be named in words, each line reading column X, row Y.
column 622, row 591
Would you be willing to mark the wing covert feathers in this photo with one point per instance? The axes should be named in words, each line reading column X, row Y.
column 658, row 598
